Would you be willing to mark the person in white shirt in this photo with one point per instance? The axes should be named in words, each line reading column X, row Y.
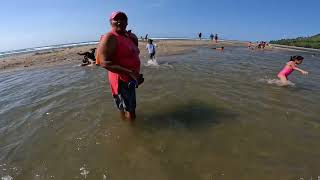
column 151, row 49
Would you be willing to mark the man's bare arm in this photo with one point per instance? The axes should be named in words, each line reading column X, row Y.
column 107, row 48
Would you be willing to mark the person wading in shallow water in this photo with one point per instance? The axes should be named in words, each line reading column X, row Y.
column 289, row 68
column 151, row 49
column 118, row 52
column 88, row 57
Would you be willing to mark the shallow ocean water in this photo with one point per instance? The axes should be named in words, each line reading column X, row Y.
column 202, row 115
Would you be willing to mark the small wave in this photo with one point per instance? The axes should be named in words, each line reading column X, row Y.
column 153, row 63
column 167, row 65
column 276, row 82
column 7, row 177
column 84, row 172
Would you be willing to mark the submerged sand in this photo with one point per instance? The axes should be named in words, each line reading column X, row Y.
column 203, row 115
column 70, row 56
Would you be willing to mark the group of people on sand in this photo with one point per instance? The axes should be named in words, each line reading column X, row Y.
column 145, row 38
column 212, row 37
column 118, row 53
column 215, row 37
column 258, row 45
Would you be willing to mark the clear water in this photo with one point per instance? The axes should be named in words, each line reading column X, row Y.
column 204, row 115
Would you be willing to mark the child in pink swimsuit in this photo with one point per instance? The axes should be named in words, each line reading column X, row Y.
column 289, row 68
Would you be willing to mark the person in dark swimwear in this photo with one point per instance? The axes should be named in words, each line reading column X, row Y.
column 216, row 38
column 146, row 37
column 211, row 37
column 88, row 57
column 200, row 36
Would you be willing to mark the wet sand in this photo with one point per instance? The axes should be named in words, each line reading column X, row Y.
column 69, row 55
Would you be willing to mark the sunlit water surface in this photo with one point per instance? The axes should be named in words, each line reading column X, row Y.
column 203, row 115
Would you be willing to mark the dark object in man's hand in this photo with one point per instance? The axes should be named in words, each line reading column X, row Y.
column 140, row 79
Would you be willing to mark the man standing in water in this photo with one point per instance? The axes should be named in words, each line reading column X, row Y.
column 118, row 52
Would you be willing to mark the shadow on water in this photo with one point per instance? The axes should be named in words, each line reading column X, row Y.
column 193, row 115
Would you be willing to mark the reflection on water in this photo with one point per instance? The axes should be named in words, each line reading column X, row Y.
column 203, row 115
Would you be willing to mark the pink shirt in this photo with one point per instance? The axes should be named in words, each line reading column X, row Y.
column 127, row 56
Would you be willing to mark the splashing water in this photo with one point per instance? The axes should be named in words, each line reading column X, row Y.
column 276, row 82
column 152, row 62
column 84, row 172
column 7, row 178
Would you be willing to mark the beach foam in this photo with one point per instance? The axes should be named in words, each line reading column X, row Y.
column 153, row 62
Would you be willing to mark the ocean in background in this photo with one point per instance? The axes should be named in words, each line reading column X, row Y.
column 45, row 48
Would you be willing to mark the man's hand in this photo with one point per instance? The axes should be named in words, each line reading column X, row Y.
column 133, row 76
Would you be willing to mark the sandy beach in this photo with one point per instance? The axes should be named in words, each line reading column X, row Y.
column 69, row 55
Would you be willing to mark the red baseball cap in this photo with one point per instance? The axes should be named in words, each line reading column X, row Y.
column 114, row 14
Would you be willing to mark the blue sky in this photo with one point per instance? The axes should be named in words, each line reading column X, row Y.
column 32, row 23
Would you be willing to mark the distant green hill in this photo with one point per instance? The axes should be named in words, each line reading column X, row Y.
column 307, row 42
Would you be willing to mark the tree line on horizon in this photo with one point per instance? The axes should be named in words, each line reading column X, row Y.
column 307, row 42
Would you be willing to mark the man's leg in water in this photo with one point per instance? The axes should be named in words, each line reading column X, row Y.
column 130, row 116
column 126, row 101
column 123, row 115
column 283, row 79
column 130, row 101
column 120, row 105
